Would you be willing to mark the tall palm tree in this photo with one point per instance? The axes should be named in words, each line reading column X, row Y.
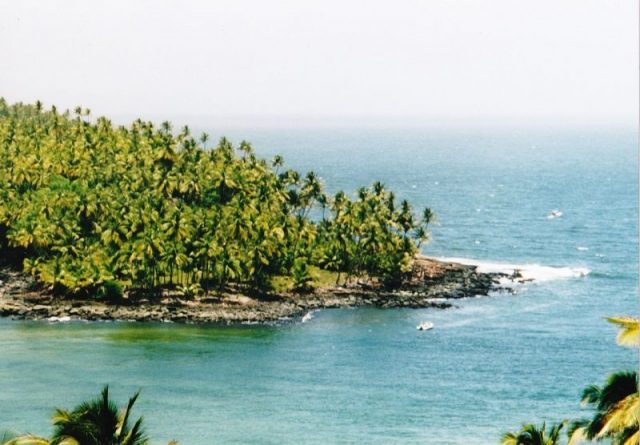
column 533, row 435
column 204, row 138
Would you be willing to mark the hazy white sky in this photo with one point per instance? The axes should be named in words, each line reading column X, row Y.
column 423, row 60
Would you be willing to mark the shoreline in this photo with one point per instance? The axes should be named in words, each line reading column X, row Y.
column 433, row 284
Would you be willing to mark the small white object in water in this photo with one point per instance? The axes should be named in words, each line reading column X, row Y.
column 308, row 316
column 554, row 214
column 582, row 249
column 59, row 319
column 425, row 326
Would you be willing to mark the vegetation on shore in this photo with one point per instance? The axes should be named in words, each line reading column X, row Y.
column 91, row 208
column 615, row 407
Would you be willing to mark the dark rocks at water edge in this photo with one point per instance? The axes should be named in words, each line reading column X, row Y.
column 432, row 285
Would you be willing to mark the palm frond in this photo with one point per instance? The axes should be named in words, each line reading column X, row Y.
column 67, row 441
column 633, row 439
column 623, row 416
column 136, row 436
column 577, row 436
column 28, row 440
column 509, row 438
column 629, row 334
column 121, row 429
column 591, row 394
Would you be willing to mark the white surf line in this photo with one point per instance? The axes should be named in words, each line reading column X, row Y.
column 525, row 272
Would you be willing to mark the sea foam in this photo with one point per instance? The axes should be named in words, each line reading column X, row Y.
column 528, row 272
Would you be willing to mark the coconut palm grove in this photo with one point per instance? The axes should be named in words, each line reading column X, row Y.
column 90, row 208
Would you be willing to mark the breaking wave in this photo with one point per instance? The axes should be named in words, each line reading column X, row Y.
column 527, row 272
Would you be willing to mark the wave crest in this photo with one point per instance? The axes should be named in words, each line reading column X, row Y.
column 527, row 272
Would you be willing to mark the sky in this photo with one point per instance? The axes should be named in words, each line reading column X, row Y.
column 275, row 61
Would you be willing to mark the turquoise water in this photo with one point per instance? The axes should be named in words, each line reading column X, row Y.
column 366, row 376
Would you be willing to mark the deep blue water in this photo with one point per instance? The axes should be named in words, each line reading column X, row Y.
column 366, row 376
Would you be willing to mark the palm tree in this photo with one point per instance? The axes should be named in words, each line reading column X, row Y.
column 277, row 162
column 616, row 411
column 98, row 422
column 204, row 138
column 428, row 216
column 617, row 403
column 533, row 435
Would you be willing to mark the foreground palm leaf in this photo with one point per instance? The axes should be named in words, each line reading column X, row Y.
column 98, row 422
column 629, row 334
column 7, row 439
column 617, row 403
column 616, row 411
column 532, row 435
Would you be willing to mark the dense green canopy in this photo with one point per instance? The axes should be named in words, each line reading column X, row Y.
column 88, row 207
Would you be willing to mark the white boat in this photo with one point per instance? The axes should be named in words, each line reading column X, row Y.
column 554, row 214
column 425, row 326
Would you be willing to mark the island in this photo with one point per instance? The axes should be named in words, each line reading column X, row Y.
column 138, row 222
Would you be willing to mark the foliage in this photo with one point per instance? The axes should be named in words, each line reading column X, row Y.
column 95, row 422
column 629, row 334
column 190, row 290
column 86, row 204
column 532, row 435
column 616, row 404
column 98, row 422
column 301, row 276
column 111, row 291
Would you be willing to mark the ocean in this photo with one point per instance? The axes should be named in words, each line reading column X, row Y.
column 367, row 376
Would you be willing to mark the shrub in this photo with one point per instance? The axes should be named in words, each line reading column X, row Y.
column 111, row 291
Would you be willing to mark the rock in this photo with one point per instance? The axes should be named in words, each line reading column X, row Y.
column 438, row 279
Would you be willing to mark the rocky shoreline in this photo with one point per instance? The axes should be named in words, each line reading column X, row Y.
column 433, row 284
